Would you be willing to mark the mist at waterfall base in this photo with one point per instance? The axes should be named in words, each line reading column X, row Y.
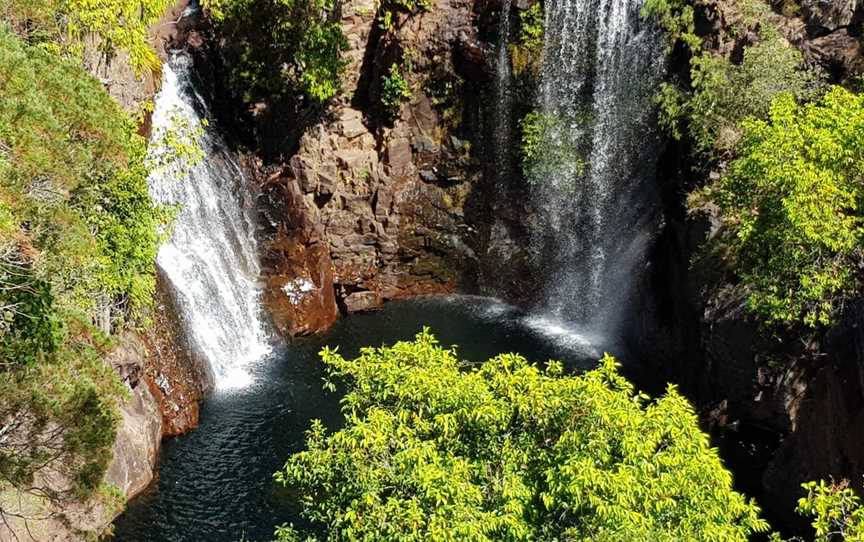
column 215, row 484
column 594, row 202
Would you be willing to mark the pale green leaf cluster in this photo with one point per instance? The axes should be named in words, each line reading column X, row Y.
column 527, row 54
column 836, row 511
column 792, row 204
column 394, row 90
column 436, row 450
column 547, row 148
column 63, row 26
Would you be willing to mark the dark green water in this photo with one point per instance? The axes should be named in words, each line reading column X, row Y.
column 215, row 485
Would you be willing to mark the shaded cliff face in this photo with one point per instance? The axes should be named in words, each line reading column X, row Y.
column 786, row 405
column 370, row 209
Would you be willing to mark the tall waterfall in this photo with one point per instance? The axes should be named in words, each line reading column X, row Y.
column 211, row 258
column 593, row 192
column 503, row 126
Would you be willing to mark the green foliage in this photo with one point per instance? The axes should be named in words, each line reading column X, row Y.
column 78, row 240
column 61, row 26
column 675, row 17
column 792, row 206
column 836, row 512
column 434, row 449
column 177, row 146
column 527, row 55
column 389, row 7
column 77, row 184
column 546, row 150
column 394, row 90
column 274, row 48
column 723, row 94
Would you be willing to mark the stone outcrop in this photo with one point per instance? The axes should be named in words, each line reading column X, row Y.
column 140, row 430
column 135, row 451
column 175, row 374
column 368, row 210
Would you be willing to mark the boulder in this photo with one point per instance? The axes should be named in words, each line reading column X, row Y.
column 363, row 301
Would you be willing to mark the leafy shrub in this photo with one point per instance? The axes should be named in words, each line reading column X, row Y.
column 433, row 449
column 675, row 17
column 791, row 202
column 77, row 182
column 836, row 511
column 274, row 48
column 388, row 7
column 394, row 90
column 723, row 94
column 547, row 148
column 527, row 55
column 60, row 26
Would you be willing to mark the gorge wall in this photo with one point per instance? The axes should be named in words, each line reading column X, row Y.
column 787, row 406
column 371, row 208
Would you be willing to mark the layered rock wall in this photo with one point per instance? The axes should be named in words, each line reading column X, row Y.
column 368, row 209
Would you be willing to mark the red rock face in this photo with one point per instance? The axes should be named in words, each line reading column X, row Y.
column 299, row 286
column 368, row 210
column 175, row 377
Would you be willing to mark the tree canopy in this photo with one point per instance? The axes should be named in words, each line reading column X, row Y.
column 792, row 206
column 436, row 449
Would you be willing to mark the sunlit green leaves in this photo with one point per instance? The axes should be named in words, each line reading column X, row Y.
column 792, row 203
column 433, row 449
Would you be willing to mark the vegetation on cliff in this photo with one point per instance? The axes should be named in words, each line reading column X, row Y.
column 527, row 54
column 276, row 48
column 791, row 203
column 434, row 449
column 78, row 239
column 62, row 26
column 788, row 150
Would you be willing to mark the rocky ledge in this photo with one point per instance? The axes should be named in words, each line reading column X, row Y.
column 368, row 209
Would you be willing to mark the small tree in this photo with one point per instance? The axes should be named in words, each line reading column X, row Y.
column 435, row 449
column 792, row 206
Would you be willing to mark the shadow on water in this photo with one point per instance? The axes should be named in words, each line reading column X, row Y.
column 215, row 484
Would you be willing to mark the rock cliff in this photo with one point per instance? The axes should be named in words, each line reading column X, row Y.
column 787, row 405
column 369, row 208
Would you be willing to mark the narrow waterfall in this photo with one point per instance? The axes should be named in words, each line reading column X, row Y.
column 503, row 125
column 211, row 259
column 593, row 192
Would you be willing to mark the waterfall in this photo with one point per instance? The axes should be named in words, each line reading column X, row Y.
column 593, row 192
column 211, row 259
column 503, row 125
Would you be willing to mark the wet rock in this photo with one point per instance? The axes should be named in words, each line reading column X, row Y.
column 363, row 301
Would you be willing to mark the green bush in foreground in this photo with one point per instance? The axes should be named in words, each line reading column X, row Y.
column 792, row 206
column 434, row 449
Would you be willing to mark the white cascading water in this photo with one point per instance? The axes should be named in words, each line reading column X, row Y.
column 211, row 259
column 503, row 127
column 594, row 193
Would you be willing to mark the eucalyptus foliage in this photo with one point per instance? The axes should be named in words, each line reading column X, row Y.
column 436, row 449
